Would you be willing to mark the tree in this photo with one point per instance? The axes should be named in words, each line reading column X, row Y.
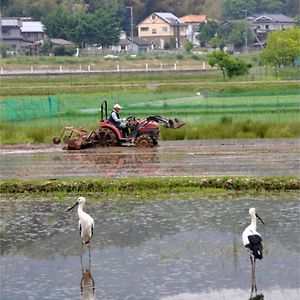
column 59, row 23
column 207, row 31
column 217, row 42
column 106, row 26
column 64, row 50
column 229, row 66
column 282, row 47
column 234, row 9
column 84, row 28
column 270, row 6
column 188, row 46
column 234, row 32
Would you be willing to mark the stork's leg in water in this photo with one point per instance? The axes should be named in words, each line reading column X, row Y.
column 253, row 280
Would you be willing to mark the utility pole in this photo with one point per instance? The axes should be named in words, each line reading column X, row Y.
column 1, row 38
column 246, row 30
column 131, row 27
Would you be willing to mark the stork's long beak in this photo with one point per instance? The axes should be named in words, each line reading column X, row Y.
column 72, row 206
column 257, row 216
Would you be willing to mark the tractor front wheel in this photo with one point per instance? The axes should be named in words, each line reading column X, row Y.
column 104, row 137
column 144, row 141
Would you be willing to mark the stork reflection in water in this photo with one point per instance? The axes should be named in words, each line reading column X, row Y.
column 87, row 283
column 253, row 242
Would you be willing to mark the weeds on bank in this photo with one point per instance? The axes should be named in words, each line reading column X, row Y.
column 145, row 188
column 227, row 128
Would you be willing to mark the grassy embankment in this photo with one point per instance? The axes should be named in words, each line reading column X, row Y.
column 152, row 188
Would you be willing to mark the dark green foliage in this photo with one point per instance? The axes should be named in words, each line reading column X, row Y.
column 208, row 31
column 188, row 46
column 141, row 8
column 101, row 27
column 64, row 50
column 233, row 9
column 229, row 66
column 4, row 50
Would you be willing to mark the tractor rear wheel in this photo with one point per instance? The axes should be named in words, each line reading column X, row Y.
column 104, row 137
column 144, row 141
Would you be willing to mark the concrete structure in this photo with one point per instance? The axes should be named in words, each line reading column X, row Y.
column 162, row 30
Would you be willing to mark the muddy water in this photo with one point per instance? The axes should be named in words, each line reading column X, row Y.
column 167, row 250
column 181, row 158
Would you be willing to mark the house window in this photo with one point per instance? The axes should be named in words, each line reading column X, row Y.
column 164, row 29
column 267, row 26
column 153, row 17
column 144, row 28
column 153, row 30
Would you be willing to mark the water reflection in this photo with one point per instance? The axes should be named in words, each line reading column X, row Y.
column 147, row 249
column 257, row 297
column 115, row 163
column 87, row 283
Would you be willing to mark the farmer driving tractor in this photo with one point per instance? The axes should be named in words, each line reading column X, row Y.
column 114, row 131
column 115, row 120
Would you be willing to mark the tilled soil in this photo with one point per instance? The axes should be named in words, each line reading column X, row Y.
column 247, row 157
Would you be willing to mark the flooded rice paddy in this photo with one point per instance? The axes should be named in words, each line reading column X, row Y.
column 167, row 250
column 251, row 157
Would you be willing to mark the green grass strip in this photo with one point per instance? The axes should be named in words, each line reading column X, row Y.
column 155, row 187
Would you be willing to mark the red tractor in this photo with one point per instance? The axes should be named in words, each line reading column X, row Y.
column 142, row 133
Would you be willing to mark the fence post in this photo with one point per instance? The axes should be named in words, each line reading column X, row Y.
column 2, row 72
column 118, row 68
column 31, row 69
column 146, row 66
column 89, row 68
column 175, row 67
column 60, row 68
column 203, row 65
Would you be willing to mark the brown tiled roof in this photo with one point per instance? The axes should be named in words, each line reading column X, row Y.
column 193, row 18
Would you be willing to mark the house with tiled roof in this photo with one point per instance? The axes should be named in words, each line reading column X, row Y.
column 128, row 45
column 193, row 23
column 264, row 23
column 162, row 29
column 21, row 32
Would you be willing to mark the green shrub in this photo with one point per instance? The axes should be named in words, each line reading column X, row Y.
column 64, row 50
column 37, row 134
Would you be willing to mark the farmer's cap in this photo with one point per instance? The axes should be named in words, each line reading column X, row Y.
column 117, row 106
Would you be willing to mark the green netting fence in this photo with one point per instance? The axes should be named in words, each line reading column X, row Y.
column 26, row 109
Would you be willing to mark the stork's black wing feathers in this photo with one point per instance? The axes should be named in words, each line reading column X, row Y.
column 256, row 246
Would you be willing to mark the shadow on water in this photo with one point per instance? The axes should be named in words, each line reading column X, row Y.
column 187, row 249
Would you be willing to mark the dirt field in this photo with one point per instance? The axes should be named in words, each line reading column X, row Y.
column 251, row 157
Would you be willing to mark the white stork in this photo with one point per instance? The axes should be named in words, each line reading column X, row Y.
column 253, row 242
column 86, row 222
